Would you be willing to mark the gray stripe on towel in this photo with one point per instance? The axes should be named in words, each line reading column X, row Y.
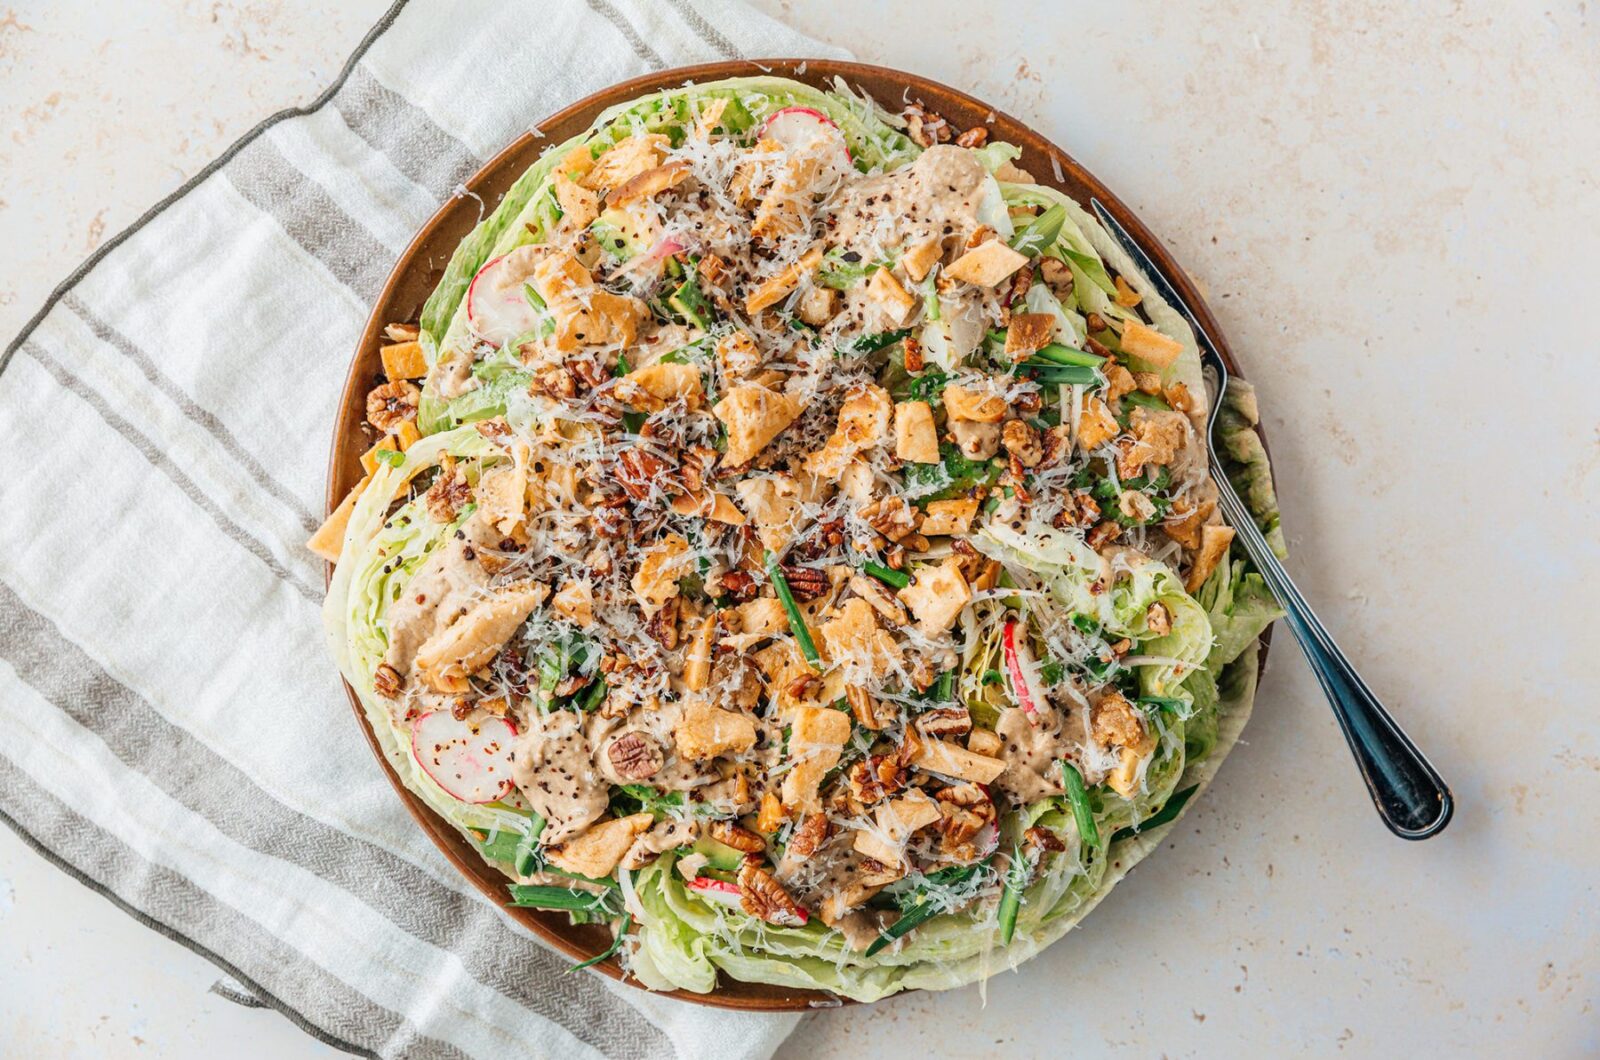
column 163, row 463
column 196, row 414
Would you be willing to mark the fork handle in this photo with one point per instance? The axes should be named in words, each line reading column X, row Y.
column 1407, row 791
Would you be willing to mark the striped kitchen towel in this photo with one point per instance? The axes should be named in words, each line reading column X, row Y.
column 172, row 730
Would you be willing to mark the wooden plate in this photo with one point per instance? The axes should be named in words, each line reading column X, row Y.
column 420, row 267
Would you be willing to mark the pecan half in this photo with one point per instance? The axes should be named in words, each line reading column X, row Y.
column 806, row 583
column 763, row 896
column 729, row 834
column 740, row 586
column 809, row 835
column 945, row 721
column 390, row 405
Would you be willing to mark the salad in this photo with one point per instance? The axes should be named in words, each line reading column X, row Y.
column 788, row 539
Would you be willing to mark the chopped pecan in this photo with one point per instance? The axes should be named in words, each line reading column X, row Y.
column 635, row 755
column 763, row 896
column 740, row 586
column 802, row 686
column 555, row 383
column 1023, row 443
column 569, row 685
column 449, row 492
column 637, row 469
column 976, row 136
column 1044, row 839
column 732, row 835
column 663, row 625
column 1103, row 534
column 809, row 835
column 945, row 721
column 387, row 682
column 893, row 517
column 713, row 270
column 1055, row 445
column 390, row 405
column 499, row 706
column 1157, row 619
column 1057, row 275
column 610, row 522
column 402, row 332
column 925, row 127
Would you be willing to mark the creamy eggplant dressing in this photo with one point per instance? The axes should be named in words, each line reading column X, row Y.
column 809, row 541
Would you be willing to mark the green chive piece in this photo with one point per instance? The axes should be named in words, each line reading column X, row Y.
column 529, row 896
column 622, row 366
column 1057, row 374
column 1167, row 813
column 919, row 910
column 609, row 951
column 1011, row 898
column 797, row 622
column 1066, row 356
column 390, row 457
column 1041, row 232
column 1149, row 401
column 1087, row 830
column 887, row 575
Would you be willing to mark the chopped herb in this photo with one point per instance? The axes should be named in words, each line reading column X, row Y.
column 529, row 896
column 1040, row 233
column 919, row 907
column 887, row 575
column 797, row 622
column 1148, row 401
column 869, row 343
column 390, row 457
column 1167, row 813
column 1079, row 798
column 616, row 944
column 1011, row 898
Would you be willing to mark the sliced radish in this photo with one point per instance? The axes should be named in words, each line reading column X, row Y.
column 807, row 129
column 715, row 891
column 470, row 760
column 498, row 309
column 1024, row 675
column 665, row 248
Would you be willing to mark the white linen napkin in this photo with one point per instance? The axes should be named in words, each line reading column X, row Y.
column 172, row 731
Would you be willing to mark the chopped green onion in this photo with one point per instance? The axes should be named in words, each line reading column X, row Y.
column 887, row 575
column 1087, row 830
column 1041, row 232
column 622, row 366
column 609, row 951
column 797, row 622
column 532, row 296
column 919, row 910
column 944, row 688
column 1143, row 400
column 1011, row 898
column 529, row 896
column 1060, row 375
column 870, row 343
column 390, row 457
column 1056, row 353
column 1167, row 813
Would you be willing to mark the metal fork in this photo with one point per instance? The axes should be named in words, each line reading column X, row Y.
column 1407, row 791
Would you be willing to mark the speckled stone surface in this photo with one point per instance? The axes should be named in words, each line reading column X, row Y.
column 1396, row 215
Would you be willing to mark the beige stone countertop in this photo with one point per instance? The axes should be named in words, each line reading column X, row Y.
column 1395, row 211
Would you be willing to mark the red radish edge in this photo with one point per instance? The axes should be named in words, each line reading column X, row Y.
column 454, row 785
column 473, row 286
column 810, row 112
column 1021, row 683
